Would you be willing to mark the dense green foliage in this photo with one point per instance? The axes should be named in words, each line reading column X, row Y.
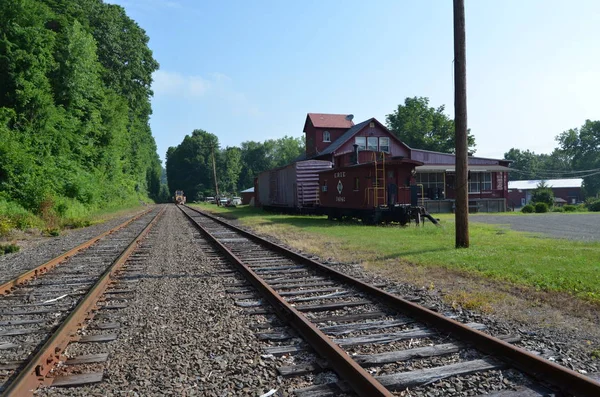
column 424, row 127
column 577, row 156
column 190, row 164
column 594, row 205
column 529, row 165
column 541, row 208
column 75, row 80
column 582, row 147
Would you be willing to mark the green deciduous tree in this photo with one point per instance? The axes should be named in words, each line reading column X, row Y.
column 423, row 127
column 190, row 166
column 75, row 92
column 582, row 147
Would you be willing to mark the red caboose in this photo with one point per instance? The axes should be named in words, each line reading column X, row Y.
column 381, row 190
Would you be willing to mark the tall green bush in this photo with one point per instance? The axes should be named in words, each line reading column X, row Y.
column 543, row 194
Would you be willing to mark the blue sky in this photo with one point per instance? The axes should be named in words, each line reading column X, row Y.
column 251, row 70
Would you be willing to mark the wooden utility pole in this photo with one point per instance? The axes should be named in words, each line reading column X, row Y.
column 460, row 126
column 212, row 150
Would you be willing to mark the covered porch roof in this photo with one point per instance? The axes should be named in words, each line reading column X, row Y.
column 472, row 168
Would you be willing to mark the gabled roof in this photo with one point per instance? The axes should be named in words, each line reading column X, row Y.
column 324, row 120
column 346, row 136
column 555, row 183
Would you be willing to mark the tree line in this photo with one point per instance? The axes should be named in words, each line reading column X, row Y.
column 190, row 164
column 414, row 122
column 576, row 156
column 75, row 79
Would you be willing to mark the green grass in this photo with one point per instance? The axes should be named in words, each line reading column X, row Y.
column 496, row 252
column 65, row 214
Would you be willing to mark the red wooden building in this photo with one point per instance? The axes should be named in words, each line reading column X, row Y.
column 334, row 138
column 566, row 191
column 488, row 181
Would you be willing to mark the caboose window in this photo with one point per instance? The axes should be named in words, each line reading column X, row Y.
column 384, row 144
column 372, row 143
column 326, row 136
column 361, row 141
column 356, row 183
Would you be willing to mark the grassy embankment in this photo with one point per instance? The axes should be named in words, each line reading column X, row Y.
column 417, row 255
column 18, row 223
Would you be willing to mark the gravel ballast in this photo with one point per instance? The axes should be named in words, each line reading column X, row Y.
column 181, row 334
column 35, row 253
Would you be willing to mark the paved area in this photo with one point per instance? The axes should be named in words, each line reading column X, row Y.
column 578, row 226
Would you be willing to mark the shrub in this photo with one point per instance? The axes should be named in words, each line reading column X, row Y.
column 558, row 209
column 543, row 194
column 569, row 208
column 17, row 216
column 528, row 209
column 5, row 225
column 541, row 208
column 8, row 248
column 52, row 232
column 594, row 205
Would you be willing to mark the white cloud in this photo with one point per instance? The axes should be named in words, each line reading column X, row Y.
column 175, row 84
column 217, row 87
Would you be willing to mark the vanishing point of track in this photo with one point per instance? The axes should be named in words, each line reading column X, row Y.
column 275, row 272
column 49, row 304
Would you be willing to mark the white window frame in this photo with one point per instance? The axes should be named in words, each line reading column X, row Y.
column 370, row 146
column 363, row 145
column 431, row 180
column 480, row 182
column 326, row 136
column 381, row 145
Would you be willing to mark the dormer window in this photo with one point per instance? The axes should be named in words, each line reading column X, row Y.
column 326, row 136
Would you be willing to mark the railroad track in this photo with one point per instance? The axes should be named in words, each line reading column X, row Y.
column 43, row 310
column 357, row 329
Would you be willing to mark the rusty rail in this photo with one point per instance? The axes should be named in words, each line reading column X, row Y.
column 563, row 378
column 360, row 380
column 35, row 372
column 52, row 263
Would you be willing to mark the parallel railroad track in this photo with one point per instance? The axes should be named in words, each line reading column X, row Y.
column 42, row 310
column 338, row 315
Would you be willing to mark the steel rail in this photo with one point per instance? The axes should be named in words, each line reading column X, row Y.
column 360, row 380
column 52, row 263
column 544, row 370
column 34, row 374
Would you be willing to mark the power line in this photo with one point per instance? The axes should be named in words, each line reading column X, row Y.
column 557, row 173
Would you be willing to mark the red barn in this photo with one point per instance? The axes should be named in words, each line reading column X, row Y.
column 566, row 191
